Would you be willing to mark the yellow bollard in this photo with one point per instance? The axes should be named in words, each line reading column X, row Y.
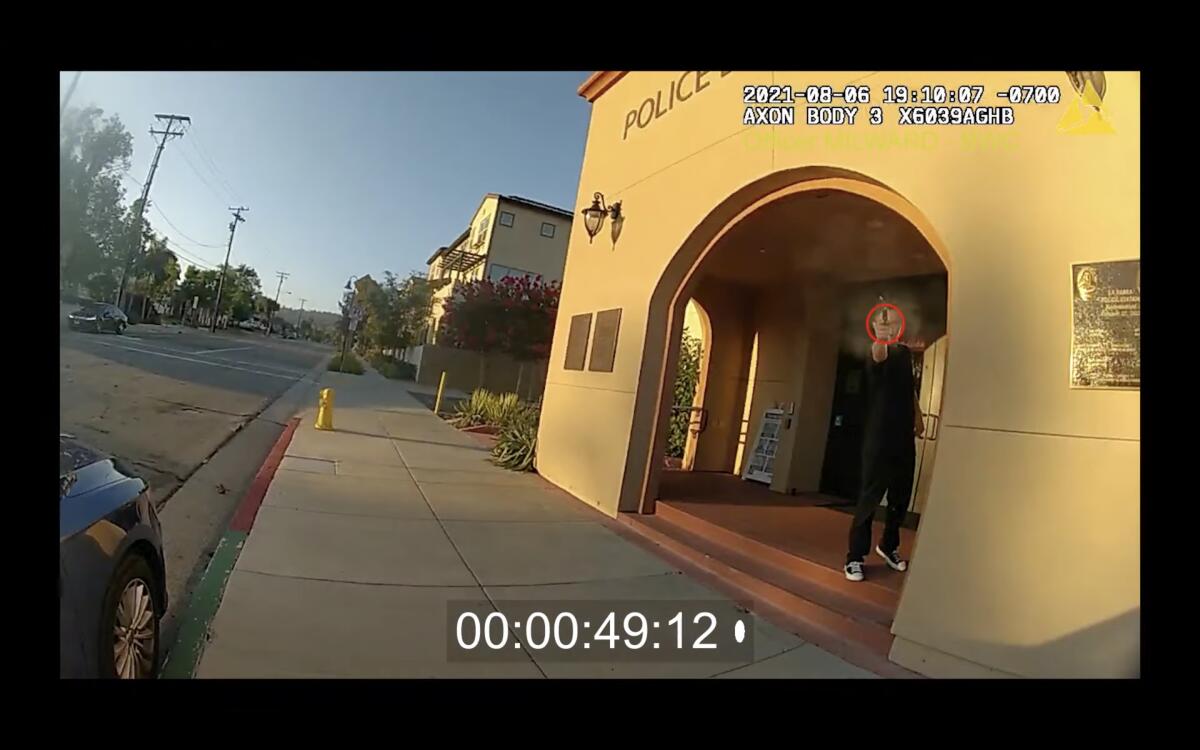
column 437, row 404
column 325, row 410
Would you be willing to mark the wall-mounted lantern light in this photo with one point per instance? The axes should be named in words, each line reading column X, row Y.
column 593, row 216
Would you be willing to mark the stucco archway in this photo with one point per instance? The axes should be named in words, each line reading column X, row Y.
column 668, row 301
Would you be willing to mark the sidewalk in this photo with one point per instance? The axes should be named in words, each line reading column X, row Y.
column 367, row 534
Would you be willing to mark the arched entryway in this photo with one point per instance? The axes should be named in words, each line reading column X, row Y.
column 721, row 266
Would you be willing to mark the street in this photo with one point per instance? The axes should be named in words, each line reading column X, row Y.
column 165, row 398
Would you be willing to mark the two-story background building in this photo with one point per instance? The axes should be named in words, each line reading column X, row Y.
column 507, row 236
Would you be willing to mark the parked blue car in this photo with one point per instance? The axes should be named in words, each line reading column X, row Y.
column 112, row 576
column 98, row 317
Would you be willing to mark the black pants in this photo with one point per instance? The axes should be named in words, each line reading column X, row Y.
column 890, row 472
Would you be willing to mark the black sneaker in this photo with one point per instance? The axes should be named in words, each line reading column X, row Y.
column 853, row 571
column 893, row 559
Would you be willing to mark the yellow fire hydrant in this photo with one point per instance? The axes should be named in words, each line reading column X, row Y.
column 325, row 410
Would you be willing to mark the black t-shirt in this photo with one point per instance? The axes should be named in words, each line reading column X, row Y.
column 890, row 391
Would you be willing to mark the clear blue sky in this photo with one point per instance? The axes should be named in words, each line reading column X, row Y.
column 344, row 173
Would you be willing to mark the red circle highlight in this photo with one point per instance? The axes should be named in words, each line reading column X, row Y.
column 903, row 323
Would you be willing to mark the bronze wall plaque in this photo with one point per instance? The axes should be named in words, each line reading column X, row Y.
column 1106, row 330
column 604, row 343
column 577, row 341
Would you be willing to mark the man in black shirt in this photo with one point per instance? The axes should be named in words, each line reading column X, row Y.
column 889, row 451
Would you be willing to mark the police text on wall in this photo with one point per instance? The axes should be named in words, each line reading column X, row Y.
column 683, row 87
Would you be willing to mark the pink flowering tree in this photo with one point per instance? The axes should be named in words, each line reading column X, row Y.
column 514, row 316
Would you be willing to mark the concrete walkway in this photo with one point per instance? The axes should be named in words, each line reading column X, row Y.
column 368, row 533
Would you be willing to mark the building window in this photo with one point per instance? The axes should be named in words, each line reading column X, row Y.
column 547, row 229
column 506, row 219
column 481, row 232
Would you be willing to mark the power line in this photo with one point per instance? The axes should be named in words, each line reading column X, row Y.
column 210, row 162
column 187, row 255
column 221, row 184
column 177, row 229
column 201, row 149
column 194, row 260
column 220, row 198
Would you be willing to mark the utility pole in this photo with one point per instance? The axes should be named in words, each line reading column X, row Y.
column 271, row 313
column 300, row 317
column 237, row 217
column 135, row 243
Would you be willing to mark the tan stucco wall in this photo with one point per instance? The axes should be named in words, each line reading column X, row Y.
column 815, row 352
column 692, row 325
column 484, row 215
column 1033, row 479
column 522, row 245
column 501, row 374
column 725, row 374
column 796, row 366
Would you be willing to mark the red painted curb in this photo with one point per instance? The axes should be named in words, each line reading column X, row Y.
column 247, row 510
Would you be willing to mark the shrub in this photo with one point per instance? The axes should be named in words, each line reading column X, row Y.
column 516, row 445
column 485, row 407
column 501, row 408
column 686, row 378
column 352, row 364
column 472, row 411
column 395, row 369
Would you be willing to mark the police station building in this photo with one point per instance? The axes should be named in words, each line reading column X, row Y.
column 998, row 214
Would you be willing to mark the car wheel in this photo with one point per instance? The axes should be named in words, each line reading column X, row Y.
column 99, row 327
column 129, row 644
column 120, row 328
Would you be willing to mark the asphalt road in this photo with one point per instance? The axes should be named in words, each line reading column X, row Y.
column 165, row 399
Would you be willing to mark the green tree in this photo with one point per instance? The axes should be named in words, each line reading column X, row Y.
column 264, row 306
column 687, row 376
column 376, row 305
column 241, row 293
column 414, row 297
column 155, row 272
column 198, row 285
column 394, row 312
column 102, row 285
column 93, row 224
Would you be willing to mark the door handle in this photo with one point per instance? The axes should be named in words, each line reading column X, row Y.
column 937, row 422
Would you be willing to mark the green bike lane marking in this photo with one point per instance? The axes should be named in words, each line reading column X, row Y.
column 202, row 608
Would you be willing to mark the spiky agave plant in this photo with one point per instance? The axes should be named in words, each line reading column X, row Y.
column 475, row 410
column 516, row 445
column 501, row 408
